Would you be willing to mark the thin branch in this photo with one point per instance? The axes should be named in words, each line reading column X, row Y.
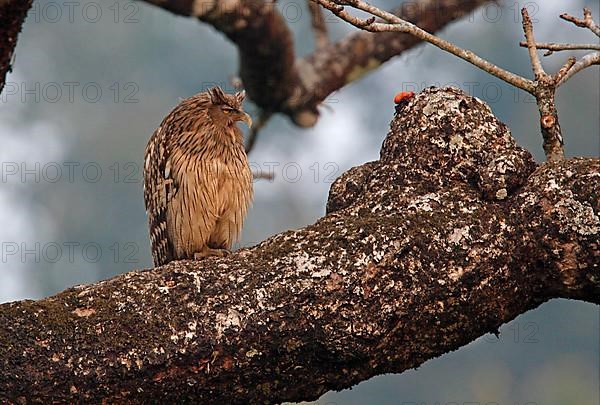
column 339, row 11
column 318, row 26
column 536, row 65
column 564, row 70
column 399, row 25
column 587, row 22
column 555, row 47
column 586, row 61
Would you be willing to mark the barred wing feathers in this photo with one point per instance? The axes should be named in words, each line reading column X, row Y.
column 159, row 188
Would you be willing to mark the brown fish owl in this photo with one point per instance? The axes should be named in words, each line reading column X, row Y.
column 197, row 181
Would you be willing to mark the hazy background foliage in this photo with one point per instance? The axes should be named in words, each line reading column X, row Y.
column 62, row 222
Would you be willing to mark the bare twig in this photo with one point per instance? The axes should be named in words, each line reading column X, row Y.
column 397, row 24
column 318, row 26
column 555, row 47
column 586, row 61
column 564, row 70
column 587, row 22
column 263, row 118
column 536, row 65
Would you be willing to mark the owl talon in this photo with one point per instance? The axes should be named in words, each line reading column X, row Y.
column 221, row 252
column 207, row 252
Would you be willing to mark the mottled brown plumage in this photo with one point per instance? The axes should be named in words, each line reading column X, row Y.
column 197, row 182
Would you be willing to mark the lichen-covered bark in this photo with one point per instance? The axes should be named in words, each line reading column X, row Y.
column 12, row 16
column 278, row 82
column 452, row 232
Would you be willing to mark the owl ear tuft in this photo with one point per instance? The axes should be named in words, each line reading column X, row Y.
column 240, row 96
column 216, row 95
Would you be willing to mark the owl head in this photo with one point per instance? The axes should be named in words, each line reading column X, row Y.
column 227, row 108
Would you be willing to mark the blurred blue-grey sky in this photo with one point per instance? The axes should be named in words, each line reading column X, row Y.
column 92, row 80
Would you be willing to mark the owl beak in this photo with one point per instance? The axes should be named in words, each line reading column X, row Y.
column 247, row 119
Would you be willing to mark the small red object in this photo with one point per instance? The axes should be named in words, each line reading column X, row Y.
column 403, row 96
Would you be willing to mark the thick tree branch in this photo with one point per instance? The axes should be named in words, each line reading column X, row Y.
column 263, row 39
column 12, row 16
column 276, row 81
column 452, row 232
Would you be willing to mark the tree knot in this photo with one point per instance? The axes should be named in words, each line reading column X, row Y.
column 453, row 135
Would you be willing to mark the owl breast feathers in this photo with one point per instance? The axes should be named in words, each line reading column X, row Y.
column 197, row 182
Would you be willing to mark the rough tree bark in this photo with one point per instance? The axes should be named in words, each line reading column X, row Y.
column 452, row 232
